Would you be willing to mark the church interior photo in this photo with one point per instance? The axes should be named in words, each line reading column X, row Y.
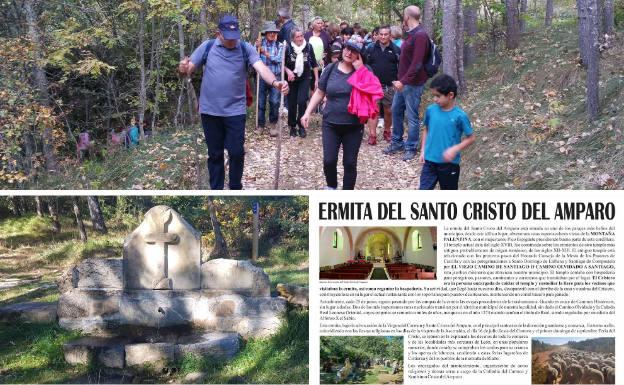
column 378, row 253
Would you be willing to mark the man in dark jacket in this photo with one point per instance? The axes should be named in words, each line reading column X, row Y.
column 383, row 58
column 287, row 25
column 410, row 85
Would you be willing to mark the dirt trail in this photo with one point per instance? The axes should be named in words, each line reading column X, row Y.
column 302, row 163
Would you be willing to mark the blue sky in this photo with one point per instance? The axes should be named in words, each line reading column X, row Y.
column 560, row 340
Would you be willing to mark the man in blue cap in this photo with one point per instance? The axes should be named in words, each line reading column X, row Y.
column 222, row 97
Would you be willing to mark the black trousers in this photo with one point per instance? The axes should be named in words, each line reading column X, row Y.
column 350, row 137
column 225, row 133
column 447, row 174
column 297, row 100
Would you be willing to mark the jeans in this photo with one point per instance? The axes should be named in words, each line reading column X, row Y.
column 408, row 99
column 297, row 100
column 350, row 136
column 274, row 102
column 225, row 133
column 445, row 173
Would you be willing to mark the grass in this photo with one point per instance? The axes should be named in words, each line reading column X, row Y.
column 287, row 262
column 32, row 353
column 41, row 291
column 375, row 375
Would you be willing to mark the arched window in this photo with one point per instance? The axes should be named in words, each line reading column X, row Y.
column 338, row 240
column 416, row 240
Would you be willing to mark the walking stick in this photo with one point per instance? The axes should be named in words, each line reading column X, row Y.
column 258, row 83
column 280, row 128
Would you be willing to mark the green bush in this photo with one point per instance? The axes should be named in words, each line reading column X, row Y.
column 619, row 13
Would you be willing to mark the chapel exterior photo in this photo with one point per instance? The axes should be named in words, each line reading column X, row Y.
column 378, row 253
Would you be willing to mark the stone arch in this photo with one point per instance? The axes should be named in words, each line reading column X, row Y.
column 363, row 236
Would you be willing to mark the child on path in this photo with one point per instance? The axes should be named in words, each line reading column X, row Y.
column 442, row 142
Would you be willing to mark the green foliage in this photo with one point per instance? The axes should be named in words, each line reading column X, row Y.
column 619, row 13
column 599, row 345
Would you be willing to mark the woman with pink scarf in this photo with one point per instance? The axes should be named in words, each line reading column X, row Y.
column 352, row 92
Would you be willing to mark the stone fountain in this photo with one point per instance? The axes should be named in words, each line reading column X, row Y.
column 160, row 301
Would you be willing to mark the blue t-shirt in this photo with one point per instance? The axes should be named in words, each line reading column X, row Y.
column 223, row 83
column 444, row 130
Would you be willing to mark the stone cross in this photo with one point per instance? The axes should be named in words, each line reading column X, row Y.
column 162, row 282
column 162, row 253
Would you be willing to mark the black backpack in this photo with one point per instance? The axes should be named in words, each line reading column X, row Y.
column 433, row 60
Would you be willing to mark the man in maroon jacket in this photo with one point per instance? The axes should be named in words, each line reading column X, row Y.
column 410, row 85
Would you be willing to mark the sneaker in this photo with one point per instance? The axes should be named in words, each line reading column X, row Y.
column 293, row 131
column 302, row 132
column 393, row 148
column 409, row 155
column 273, row 130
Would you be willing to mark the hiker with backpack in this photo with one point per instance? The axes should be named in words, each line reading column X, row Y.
column 410, row 85
column 343, row 126
column 383, row 57
column 271, row 55
column 222, row 101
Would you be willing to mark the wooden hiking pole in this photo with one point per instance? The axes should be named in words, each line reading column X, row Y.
column 280, row 128
column 258, row 81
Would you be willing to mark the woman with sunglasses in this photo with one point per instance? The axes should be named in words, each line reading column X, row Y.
column 339, row 127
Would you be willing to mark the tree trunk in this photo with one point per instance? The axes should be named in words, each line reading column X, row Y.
column 79, row 222
column 56, row 225
column 470, row 29
column 549, row 13
column 95, row 212
column 41, row 82
column 608, row 17
column 203, row 19
column 524, row 5
column 220, row 248
column 449, row 49
column 14, row 206
column 39, row 206
column 428, row 18
column 513, row 28
column 157, row 86
column 459, row 47
column 588, row 25
column 143, row 85
column 255, row 23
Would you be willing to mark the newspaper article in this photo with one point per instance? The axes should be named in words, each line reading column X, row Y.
column 482, row 288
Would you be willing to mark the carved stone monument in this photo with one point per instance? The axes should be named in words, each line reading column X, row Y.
column 162, row 284
column 163, row 253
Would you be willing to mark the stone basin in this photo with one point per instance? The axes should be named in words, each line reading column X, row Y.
column 136, row 347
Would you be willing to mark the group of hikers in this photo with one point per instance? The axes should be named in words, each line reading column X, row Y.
column 356, row 78
column 119, row 137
